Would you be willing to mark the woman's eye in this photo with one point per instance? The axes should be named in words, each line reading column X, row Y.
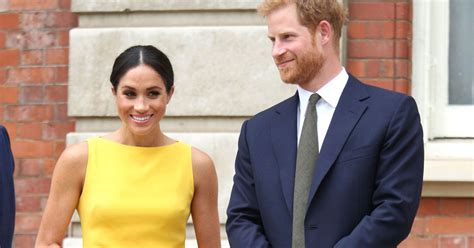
column 153, row 94
column 129, row 93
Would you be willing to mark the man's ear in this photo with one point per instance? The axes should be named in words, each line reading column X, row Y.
column 324, row 30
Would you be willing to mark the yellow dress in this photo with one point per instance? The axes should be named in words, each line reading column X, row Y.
column 136, row 196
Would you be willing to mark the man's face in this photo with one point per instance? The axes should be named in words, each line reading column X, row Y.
column 295, row 49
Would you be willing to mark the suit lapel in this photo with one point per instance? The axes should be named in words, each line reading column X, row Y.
column 348, row 112
column 283, row 134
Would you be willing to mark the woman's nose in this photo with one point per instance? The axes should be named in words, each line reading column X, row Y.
column 141, row 105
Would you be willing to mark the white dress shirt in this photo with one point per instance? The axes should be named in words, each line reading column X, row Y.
column 330, row 94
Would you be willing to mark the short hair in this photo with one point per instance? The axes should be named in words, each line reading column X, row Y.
column 311, row 13
column 142, row 55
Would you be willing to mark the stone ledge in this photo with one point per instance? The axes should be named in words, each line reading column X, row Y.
column 449, row 170
column 190, row 243
column 448, row 189
column 151, row 5
column 171, row 18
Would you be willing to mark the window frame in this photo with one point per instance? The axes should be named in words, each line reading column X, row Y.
column 448, row 129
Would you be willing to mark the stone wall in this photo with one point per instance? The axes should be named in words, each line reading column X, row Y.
column 223, row 69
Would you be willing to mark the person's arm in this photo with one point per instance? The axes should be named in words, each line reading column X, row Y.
column 398, row 183
column 204, row 205
column 244, row 226
column 66, row 187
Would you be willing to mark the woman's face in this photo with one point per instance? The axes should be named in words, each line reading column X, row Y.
column 141, row 100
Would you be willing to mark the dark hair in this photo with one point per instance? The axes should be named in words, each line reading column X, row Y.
column 146, row 55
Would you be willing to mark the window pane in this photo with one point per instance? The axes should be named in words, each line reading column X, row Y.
column 461, row 52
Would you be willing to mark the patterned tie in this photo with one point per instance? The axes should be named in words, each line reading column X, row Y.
column 305, row 160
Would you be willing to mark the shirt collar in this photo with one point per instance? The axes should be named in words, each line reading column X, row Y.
column 330, row 92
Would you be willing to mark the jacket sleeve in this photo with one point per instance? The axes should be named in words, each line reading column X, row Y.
column 244, row 226
column 398, row 183
column 7, row 192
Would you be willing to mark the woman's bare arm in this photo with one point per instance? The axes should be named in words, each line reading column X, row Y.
column 204, row 205
column 66, row 187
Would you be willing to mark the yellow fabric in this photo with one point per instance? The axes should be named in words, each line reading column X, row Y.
column 136, row 196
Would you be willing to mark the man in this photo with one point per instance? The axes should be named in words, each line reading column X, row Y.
column 7, row 193
column 340, row 168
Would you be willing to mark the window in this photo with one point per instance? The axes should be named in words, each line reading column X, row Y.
column 442, row 84
column 461, row 52
column 443, row 67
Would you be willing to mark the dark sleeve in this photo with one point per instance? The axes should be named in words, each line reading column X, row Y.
column 7, row 192
column 398, row 184
column 244, row 226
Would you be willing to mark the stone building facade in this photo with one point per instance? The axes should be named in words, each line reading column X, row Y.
column 56, row 56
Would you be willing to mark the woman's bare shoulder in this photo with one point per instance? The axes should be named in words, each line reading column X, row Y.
column 200, row 158
column 203, row 166
column 74, row 156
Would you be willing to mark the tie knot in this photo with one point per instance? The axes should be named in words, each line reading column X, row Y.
column 314, row 98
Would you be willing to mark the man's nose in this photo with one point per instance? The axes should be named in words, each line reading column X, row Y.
column 278, row 49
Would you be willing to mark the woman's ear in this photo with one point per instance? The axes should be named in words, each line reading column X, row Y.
column 170, row 94
column 114, row 92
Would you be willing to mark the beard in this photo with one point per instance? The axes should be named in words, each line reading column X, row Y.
column 303, row 69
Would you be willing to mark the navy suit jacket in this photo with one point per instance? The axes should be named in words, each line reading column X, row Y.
column 7, row 192
column 367, row 181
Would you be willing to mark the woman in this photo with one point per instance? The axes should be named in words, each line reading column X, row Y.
column 134, row 187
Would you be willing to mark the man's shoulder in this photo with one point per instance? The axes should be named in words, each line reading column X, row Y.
column 383, row 102
column 262, row 122
column 377, row 93
column 267, row 114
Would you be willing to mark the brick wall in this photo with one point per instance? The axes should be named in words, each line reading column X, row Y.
column 33, row 96
column 443, row 223
column 379, row 49
column 34, row 40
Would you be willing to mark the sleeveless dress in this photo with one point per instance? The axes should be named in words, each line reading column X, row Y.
column 136, row 196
